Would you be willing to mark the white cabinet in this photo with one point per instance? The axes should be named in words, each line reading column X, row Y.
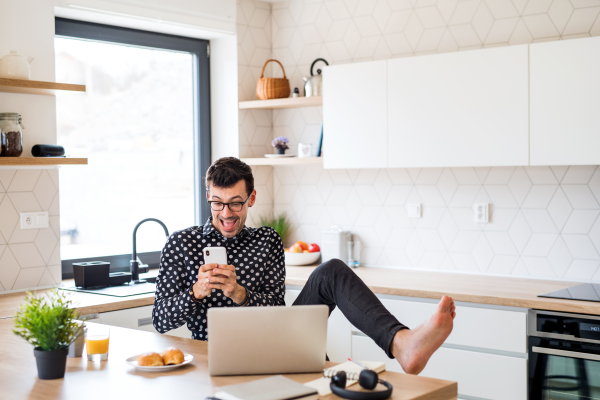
column 565, row 117
column 445, row 110
column 485, row 328
column 459, row 109
column 481, row 375
column 139, row 318
column 486, row 353
column 354, row 115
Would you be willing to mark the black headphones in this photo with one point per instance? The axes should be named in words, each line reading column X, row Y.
column 368, row 379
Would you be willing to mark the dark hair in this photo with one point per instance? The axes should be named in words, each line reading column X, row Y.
column 227, row 171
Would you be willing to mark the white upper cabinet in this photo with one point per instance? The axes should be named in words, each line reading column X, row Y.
column 459, row 109
column 565, row 102
column 354, row 115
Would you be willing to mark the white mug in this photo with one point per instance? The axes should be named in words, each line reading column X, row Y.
column 304, row 150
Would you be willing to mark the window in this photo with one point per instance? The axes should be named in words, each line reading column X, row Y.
column 144, row 124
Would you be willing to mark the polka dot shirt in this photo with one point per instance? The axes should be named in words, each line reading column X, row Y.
column 256, row 254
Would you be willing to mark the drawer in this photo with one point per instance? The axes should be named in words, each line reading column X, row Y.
column 127, row 318
column 485, row 328
column 481, row 375
column 139, row 318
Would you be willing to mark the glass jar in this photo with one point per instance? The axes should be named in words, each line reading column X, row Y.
column 11, row 135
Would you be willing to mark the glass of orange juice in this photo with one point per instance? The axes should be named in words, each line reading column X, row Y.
column 96, row 342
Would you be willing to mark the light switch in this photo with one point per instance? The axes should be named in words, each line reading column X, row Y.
column 34, row 220
column 482, row 212
column 413, row 210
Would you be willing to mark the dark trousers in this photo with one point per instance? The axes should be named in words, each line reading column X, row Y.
column 334, row 284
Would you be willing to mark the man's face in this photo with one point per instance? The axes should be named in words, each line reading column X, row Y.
column 228, row 222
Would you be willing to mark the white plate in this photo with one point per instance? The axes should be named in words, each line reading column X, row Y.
column 187, row 358
column 301, row 258
column 279, row 155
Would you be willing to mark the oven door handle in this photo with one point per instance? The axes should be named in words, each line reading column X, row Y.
column 565, row 353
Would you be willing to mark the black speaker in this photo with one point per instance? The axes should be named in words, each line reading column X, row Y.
column 47, row 150
column 367, row 379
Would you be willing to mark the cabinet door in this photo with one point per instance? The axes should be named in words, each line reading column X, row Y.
column 354, row 115
column 485, row 328
column 459, row 109
column 565, row 117
column 139, row 318
column 480, row 375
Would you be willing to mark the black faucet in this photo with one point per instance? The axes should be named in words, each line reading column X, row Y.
column 134, row 265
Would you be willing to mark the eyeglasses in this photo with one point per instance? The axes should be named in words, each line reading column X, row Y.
column 234, row 207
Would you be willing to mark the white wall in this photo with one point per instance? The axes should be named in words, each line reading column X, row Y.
column 204, row 19
column 544, row 219
column 31, row 258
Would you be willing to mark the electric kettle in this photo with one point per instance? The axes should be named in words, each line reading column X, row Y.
column 313, row 85
column 15, row 66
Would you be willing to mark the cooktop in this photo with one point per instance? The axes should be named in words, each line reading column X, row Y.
column 584, row 291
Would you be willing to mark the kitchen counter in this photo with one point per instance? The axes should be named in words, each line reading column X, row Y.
column 116, row 379
column 88, row 303
column 515, row 292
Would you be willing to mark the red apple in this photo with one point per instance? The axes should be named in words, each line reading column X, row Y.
column 314, row 248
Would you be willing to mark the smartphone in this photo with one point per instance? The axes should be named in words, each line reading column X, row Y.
column 215, row 255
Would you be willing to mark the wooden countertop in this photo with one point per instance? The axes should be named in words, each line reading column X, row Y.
column 87, row 303
column 115, row 379
column 515, row 292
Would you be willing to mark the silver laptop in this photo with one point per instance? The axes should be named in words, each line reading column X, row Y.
column 267, row 340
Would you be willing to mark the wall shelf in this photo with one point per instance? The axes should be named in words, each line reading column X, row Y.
column 38, row 87
column 291, row 102
column 41, row 161
column 289, row 161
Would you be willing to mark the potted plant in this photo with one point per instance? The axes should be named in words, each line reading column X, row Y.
column 280, row 143
column 50, row 325
column 281, row 224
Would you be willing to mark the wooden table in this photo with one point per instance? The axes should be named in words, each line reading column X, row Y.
column 115, row 379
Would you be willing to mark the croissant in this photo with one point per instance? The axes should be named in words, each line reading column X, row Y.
column 150, row 359
column 172, row 356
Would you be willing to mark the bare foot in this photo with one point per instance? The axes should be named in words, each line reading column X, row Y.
column 413, row 348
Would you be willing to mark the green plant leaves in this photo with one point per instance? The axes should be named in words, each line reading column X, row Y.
column 281, row 224
column 47, row 322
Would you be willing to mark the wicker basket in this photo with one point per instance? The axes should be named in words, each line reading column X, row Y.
column 272, row 88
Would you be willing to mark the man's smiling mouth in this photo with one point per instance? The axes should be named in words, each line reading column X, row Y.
column 229, row 224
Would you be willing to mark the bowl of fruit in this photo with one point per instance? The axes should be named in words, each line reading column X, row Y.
column 300, row 253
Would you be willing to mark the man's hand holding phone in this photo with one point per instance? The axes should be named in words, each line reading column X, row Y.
column 219, row 276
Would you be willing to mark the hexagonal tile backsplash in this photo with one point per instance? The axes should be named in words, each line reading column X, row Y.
column 544, row 220
column 28, row 258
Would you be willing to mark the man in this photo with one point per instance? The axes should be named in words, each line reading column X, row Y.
column 255, row 276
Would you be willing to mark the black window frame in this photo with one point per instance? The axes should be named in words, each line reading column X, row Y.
column 199, row 48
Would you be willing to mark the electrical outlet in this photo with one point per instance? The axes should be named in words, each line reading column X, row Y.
column 34, row 220
column 482, row 212
column 413, row 210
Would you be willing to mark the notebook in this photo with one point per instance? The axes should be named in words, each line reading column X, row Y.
column 322, row 384
column 274, row 388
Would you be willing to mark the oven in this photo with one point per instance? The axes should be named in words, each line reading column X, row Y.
column 564, row 356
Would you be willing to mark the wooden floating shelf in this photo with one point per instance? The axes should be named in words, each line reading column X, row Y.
column 41, row 161
column 290, row 161
column 291, row 102
column 38, row 87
